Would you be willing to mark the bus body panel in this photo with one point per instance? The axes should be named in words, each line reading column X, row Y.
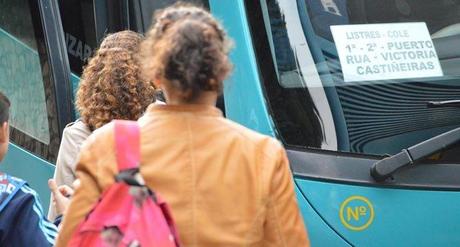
column 244, row 99
column 406, row 226
column 319, row 233
column 401, row 217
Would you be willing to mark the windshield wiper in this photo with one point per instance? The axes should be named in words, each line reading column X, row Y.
column 384, row 168
column 445, row 103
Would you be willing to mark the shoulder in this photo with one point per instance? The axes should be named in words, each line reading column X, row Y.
column 25, row 194
column 267, row 145
column 77, row 128
column 6, row 178
column 97, row 157
column 73, row 136
column 107, row 132
column 99, row 142
column 103, row 134
column 99, row 145
column 9, row 186
column 25, row 197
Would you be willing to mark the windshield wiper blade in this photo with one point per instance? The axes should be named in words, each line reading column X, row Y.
column 384, row 168
column 445, row 103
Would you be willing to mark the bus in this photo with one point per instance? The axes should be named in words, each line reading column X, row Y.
column 363, row 94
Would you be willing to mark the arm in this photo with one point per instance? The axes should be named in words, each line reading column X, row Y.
column 81, row 204
column 284, row 225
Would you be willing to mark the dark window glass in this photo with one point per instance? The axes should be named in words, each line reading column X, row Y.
column 86, row 22
column 141, row 11
column 78, row 21
column 313, row 106
column 25, row 78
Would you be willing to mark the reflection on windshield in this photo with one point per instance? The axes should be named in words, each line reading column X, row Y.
column 437, row 14
column 291, row 100
column 441, row 16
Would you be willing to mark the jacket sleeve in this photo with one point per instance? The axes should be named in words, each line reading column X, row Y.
column 284, row 226
column 96, row 168
column 29, row 226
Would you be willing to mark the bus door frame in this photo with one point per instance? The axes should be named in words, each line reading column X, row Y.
column 59, row 62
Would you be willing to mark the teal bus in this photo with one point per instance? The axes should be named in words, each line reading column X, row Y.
column 363, row 94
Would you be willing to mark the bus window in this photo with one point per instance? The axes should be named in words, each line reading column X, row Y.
column 78, row 21
column 312, row 103
column 25, row 79
column 86, row 22
column 141, row 11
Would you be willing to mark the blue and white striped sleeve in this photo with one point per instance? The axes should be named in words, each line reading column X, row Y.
column 30, row 227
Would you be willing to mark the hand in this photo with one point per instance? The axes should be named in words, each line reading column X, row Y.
column 61, row 196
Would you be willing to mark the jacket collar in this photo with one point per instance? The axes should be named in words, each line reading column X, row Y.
column 204, row 110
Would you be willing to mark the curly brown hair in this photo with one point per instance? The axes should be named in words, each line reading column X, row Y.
column 188, row 48
column 111, row 86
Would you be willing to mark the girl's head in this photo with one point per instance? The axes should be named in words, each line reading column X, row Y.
column 186, row 53
column 111, row 86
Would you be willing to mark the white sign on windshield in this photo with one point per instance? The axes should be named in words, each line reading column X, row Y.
column 370, row 52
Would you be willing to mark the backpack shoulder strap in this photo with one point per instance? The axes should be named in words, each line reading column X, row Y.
column 127, row 144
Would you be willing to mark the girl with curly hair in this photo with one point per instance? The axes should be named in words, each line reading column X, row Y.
column 227, row 185
column 111, row 87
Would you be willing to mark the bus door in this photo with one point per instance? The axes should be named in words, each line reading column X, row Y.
column 34, row 76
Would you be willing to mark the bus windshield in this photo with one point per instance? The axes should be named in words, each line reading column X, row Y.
column 358, row 75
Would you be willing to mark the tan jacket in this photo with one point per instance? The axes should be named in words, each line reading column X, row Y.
column 226, row 185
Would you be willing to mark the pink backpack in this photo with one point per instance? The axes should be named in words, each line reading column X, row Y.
column 128, row 213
